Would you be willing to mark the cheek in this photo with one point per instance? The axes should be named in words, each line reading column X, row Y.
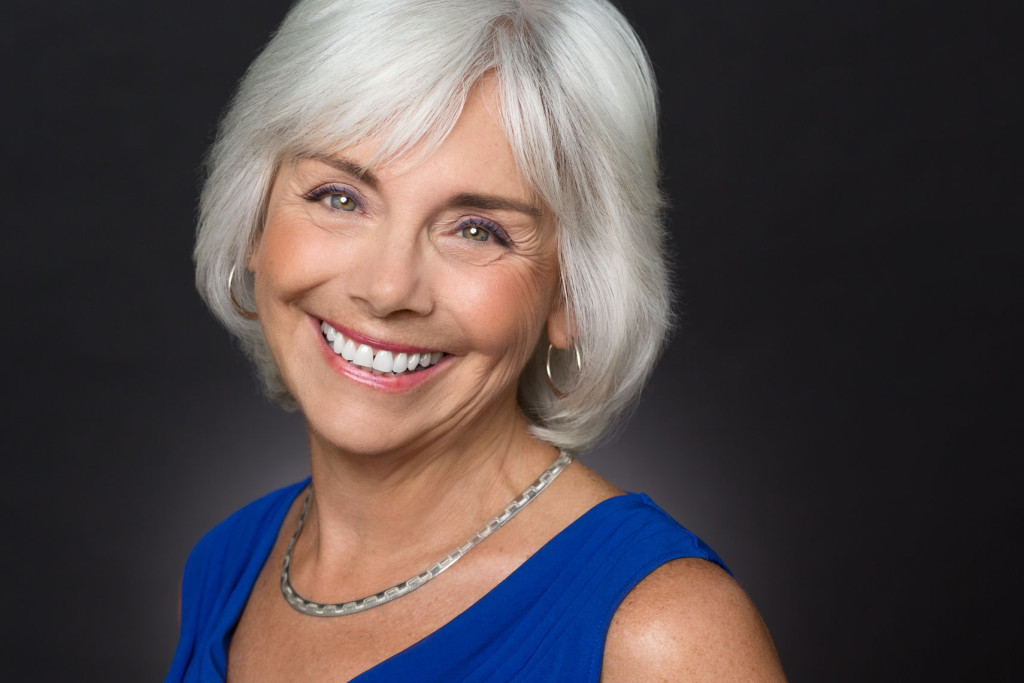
column 287, row 259
column 507, row 310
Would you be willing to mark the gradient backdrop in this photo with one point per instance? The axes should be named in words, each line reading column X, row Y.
column 833, row 415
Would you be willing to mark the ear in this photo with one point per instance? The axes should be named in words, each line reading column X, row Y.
column 561, row 330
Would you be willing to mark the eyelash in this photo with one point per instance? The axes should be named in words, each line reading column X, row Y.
column 323, row 191
column 318, row 194
column 496, row 232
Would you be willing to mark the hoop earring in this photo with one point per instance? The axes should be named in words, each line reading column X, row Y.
column 551, row 382
column 245, row 313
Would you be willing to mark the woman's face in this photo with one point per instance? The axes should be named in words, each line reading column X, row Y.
column 401, row 303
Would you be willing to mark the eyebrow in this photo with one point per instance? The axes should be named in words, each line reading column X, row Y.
column 350, row 167
column 490, row 202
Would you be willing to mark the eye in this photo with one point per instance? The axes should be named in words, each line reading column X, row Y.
column 335, row 197
column 342, row 202
column 481, row 230
column 476, row 232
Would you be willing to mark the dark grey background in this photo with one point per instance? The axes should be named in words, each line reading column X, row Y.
column 833, row 416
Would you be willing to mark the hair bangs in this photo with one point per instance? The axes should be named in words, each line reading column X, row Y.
column 334, row 92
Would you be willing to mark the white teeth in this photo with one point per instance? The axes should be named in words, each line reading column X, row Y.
column 383, row 361
column 379, row 362
column 364, row 356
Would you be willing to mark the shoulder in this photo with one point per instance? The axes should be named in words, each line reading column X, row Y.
column 245, row 527
column 689, row 620
column 237, row 545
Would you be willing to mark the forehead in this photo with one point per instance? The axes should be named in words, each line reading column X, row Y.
column 474, row 152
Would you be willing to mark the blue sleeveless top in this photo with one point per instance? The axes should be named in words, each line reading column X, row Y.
column 546, row 621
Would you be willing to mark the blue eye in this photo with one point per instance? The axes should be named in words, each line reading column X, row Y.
column 477, row 233
column 342, row 202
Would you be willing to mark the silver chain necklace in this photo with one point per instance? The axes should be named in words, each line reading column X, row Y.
column 317, row 609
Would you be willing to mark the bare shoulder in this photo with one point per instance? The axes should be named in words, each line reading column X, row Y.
column 689, row 620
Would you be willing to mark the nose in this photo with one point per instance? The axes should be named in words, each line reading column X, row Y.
column 387, row 275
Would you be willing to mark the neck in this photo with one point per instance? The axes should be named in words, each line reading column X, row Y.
column 397, row 509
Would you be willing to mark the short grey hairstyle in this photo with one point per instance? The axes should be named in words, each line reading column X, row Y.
column 579, row 106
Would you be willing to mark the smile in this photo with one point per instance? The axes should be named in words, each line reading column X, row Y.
column 377, row 361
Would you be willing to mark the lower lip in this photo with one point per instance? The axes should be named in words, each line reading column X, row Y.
column 396, row 384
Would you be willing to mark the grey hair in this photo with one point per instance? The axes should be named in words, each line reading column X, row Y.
column 579, row 106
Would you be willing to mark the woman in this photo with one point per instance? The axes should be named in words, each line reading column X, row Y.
column 435, row 228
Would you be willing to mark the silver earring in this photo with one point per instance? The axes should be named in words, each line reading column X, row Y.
column 245, row 313
column 551, row 382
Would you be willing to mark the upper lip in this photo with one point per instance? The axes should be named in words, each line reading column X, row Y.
column 377, row 344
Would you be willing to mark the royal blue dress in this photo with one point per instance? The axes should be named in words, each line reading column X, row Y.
column 546, row 621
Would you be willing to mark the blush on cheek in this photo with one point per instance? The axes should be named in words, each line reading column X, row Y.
column 513, row 308
column 290, row 254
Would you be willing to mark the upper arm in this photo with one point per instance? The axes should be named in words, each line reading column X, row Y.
column 689, row 620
